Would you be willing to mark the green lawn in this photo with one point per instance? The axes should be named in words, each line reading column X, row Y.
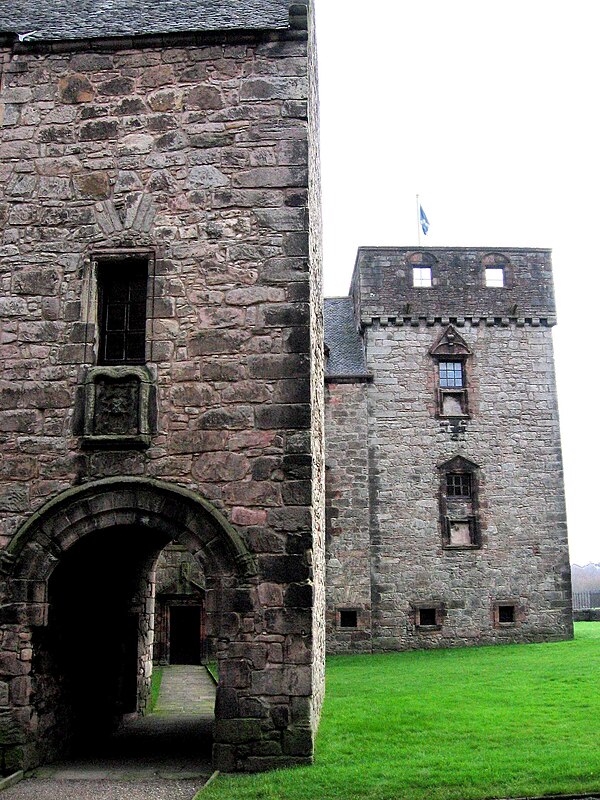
column 156, row 679
column 503, row 721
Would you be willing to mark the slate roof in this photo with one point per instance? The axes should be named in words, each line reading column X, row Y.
column 346, row 352
column 57, row 20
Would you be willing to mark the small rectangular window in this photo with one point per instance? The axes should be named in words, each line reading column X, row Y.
column 427, row 617
column 122, row 292
column 348, row 618
column 506, row 615
column 451, row 375
column 422, row 277
column 494, row 277
column 458, row 484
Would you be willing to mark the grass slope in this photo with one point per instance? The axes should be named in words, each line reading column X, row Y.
column 504, row 721
column 156, row 680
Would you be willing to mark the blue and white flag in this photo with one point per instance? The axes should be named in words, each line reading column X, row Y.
column 423, row 220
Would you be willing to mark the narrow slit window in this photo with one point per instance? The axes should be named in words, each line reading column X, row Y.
column 494, row 277
column 451, row 375
column 122, row 292
column 422, row 277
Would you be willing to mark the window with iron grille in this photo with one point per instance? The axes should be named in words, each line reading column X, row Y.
column 451, row 375
column 122, row 293
column 458, row 484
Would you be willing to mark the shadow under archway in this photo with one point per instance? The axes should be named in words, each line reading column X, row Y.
column 80, row 587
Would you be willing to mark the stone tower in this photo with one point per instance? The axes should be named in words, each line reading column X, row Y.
column 161, row 364
column 446, row 511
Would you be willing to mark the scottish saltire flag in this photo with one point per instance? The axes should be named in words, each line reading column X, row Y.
column 423, row 220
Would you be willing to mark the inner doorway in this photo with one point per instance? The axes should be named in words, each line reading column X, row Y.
column 185, row 624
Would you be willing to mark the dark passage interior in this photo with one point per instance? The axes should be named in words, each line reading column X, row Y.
column 90, row 660
column 185, row 634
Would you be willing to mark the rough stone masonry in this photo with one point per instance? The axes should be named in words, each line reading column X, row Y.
column 446, row 509
column 161, row 351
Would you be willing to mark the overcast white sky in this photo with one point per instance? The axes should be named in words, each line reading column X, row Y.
column 488, row 110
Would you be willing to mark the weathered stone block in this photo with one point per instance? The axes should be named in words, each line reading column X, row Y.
column 298, row 742
column 204, row 96
column 210, row 342
column 224, row 757
column 283, row 568
column 237, row 730
column 75, row 88
column 15, row 497
column 283, row 416
column 288, row 620
column 262, row 177
column 98, row 130
column 116, row 87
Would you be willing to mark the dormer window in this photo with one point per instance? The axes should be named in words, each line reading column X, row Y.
column 450, row 354
column 451, row 374
column 458, row 484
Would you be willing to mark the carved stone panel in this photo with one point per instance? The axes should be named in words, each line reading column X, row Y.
column 117, row 405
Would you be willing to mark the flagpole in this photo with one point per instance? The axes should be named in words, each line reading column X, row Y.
column 418, row 222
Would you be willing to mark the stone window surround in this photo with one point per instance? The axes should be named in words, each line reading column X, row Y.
column 419, row 262
column 422, row 277
column 459, row 466
column 450, row 347
column 132, row 272
column 90, row 290
column 339, row 611
column 519, row 613
column 440, row 613
column 497, row 261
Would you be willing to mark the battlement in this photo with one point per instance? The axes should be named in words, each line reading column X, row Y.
column 494, row 284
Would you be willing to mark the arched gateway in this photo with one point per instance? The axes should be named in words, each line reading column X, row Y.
column 175, row 330
column 77, row 616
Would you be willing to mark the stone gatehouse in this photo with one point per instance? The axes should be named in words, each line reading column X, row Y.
column 162, row 369
column 446, row 509
column 162, row 471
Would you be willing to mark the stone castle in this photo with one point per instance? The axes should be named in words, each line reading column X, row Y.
column 446, row 510
column 162, row 395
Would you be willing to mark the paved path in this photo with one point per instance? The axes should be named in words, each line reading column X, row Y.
column 163, row 756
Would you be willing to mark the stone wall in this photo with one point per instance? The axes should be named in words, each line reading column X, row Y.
column 317, row 378
column 348, row 516
column 189, row 152
column 518, row 556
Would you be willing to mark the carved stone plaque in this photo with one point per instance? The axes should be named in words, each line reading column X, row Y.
column 116, row 410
